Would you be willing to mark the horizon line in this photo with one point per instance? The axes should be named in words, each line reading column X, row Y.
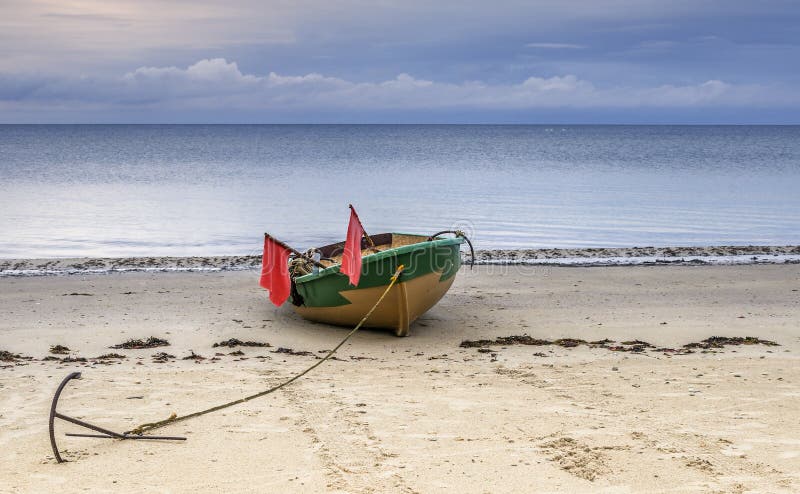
column 498, row 124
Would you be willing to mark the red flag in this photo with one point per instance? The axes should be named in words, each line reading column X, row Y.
column 351, row 259
column 275, row 271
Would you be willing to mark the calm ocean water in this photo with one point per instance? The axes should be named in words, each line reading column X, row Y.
column 120, row 190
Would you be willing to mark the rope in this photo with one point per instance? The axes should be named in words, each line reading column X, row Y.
column 171, row 420
column 459, row 233
column 300, row 266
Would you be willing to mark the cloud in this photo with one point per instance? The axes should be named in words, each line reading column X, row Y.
column 96, row 36
column 219, row 85
column 216, row 73
column 556, row 46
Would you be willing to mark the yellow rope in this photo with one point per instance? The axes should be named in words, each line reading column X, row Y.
column 171, row 420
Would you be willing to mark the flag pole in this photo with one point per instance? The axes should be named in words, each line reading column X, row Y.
column 369, row 239
column 293, row 250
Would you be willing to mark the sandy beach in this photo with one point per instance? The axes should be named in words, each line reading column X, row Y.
column 416, row 414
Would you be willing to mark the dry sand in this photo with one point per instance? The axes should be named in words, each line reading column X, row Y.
column 416, row 414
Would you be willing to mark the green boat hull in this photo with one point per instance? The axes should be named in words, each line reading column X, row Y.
column 430, row 267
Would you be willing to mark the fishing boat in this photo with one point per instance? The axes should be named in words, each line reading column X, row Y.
column 321, row 292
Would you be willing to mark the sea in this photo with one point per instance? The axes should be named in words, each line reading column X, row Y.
column 187, row 190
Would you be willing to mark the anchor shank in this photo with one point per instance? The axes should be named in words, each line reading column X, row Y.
column 90, row 426
column 127, row 436
column 155, row 438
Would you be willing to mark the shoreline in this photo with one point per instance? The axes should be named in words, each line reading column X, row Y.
column 584, row 257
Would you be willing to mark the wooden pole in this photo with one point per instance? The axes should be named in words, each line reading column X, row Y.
column 293, row 250
column 369, row 239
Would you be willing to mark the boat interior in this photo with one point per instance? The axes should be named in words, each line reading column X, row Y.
column 332, row 254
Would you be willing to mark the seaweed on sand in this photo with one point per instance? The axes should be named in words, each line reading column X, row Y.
column 505, row 340
column 6, row 356
column 65, row 360
column 638, row 343
column 289, row 351
column 569, row 342
column 522, row 340
column 723, row 341
column 632, row 346
column 137, row 344
column 193, row 356
column 162, row 357
column 234, row 342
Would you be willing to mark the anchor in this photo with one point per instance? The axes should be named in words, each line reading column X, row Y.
column 103, row 433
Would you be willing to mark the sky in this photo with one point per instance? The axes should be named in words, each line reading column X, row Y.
column 409, row 61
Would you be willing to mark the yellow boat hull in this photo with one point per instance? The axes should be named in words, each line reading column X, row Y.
column 404, row 303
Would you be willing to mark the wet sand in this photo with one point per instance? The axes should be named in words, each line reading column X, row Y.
column 752, row 254
column 416, row 414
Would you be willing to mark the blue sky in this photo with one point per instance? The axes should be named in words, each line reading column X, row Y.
column 582, row 61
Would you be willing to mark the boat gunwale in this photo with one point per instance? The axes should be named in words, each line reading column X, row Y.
column 378, row 256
